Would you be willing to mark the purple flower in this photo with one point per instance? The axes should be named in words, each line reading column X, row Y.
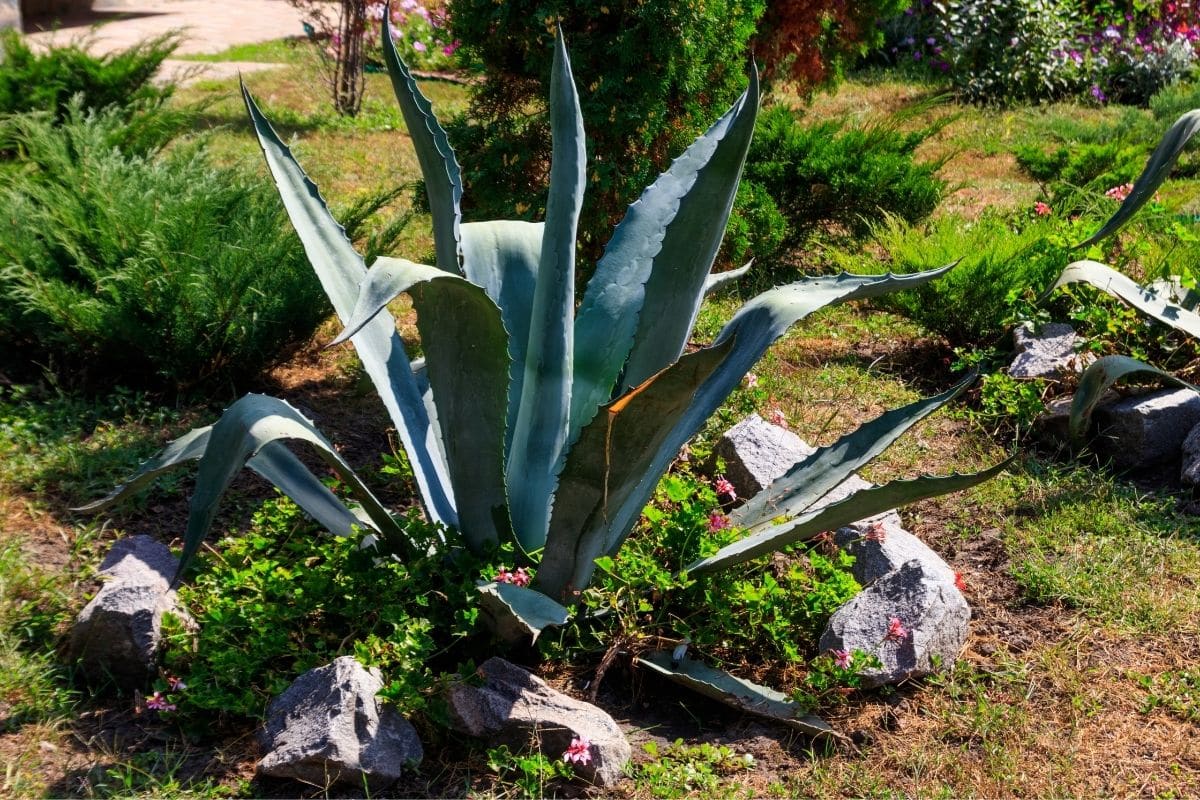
column 156, row 702
column 1099, row 95
column 419, row 46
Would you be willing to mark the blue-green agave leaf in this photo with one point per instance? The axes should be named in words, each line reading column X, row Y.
column 744, row 695
column 502, row 257
column 1147, row 300
column 813, row 477
column 340, row 269
column 860, row 505
column 439, row 167
column 246, row 427
column 515, row 613
column 640, row 304
column 466, row 363
column 607, row 464
column 1096, row 380
column 758, row 324
column 275, row 463
column 719, row 280
column 540, row 435
column 1157, row 168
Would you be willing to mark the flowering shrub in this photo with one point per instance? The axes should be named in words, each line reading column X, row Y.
column 1001, row 51
column 419, row 30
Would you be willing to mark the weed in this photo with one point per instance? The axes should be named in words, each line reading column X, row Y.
column 684, row 770
column 531, row 774
column 1176, row 691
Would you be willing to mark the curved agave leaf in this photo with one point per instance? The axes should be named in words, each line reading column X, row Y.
column 515, row 612
column 543, row 414
column 758, row 324
column 246, row 427
column 502, row 257
column 1172, row 290
column 275, row 463
column 340, row 269
column 608, row 462
column 1096, row 380
column 815, row 476
column 719, row 280
column 439, row 168
column 647, row 286
column 1146, row 300
column 1157, row 168
column 860, row 505
column 466, row 363
column 719, row 685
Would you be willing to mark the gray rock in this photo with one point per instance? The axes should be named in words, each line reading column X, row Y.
column 757, row 452
column 883, row 549
column 515, row 707
column 1146, row 430
column 934, row 613
column 328, row 727
column 1190, row 472
column 1048, row 352
column 119, row 632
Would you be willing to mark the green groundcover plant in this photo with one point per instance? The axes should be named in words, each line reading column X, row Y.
column 534, row 425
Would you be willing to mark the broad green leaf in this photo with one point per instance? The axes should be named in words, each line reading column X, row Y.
column 540, row 434
column 1146, row 300
column 466, row 363
column 1096, row 380
column 275, row 463
column 657, row 264
column 246, row 427
column 751, row 698
column 754, row 328
column 860, row 505
column 719, row 280
column 1153, row 174
column 439, row 167
column 340, row 269
column 515, row 613
column 813, row 477
column 502, row 257
column 608, row 462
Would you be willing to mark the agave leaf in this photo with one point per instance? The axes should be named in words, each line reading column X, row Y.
column 649, row 282
column 716, row 684
column 860, row 505
column 340, row 269
column 275, row 463
column 1146, row 300
column 246, row 427
column 813, row 477
column 719, row 280
column 540, row 434
column 1153, row 174
column 466, row 363
column 605, row 466
column 1096, row 380
column 1173, row 290
column 439, row 167
column 515, row 612
column 754, row 328
column 502, row 257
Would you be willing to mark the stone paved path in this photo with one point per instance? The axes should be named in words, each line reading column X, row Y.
column 208, row 26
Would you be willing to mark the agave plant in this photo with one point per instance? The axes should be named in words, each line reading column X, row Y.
column 1166, row 301
column 531, row 420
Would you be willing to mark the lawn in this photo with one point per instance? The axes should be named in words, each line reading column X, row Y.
column 1081, row 675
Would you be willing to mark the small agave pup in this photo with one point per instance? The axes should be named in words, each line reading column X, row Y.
column 532, row 420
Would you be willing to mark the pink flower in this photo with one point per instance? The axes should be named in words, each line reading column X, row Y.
column 176, row 684
column 1041, row 209
column 717, row 522
column 419, row 46
column 841, row 658
column 777, row 418
column 876, row 532
column 896, row 631
column 959, row 583
column 157, row 702
column 723, row 486
column 750, row 380
column 518, row 577
column 1119, row 193
column 449, row 49
column 580, row 751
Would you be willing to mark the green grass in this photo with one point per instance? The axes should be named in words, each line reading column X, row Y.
column 277, row 51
